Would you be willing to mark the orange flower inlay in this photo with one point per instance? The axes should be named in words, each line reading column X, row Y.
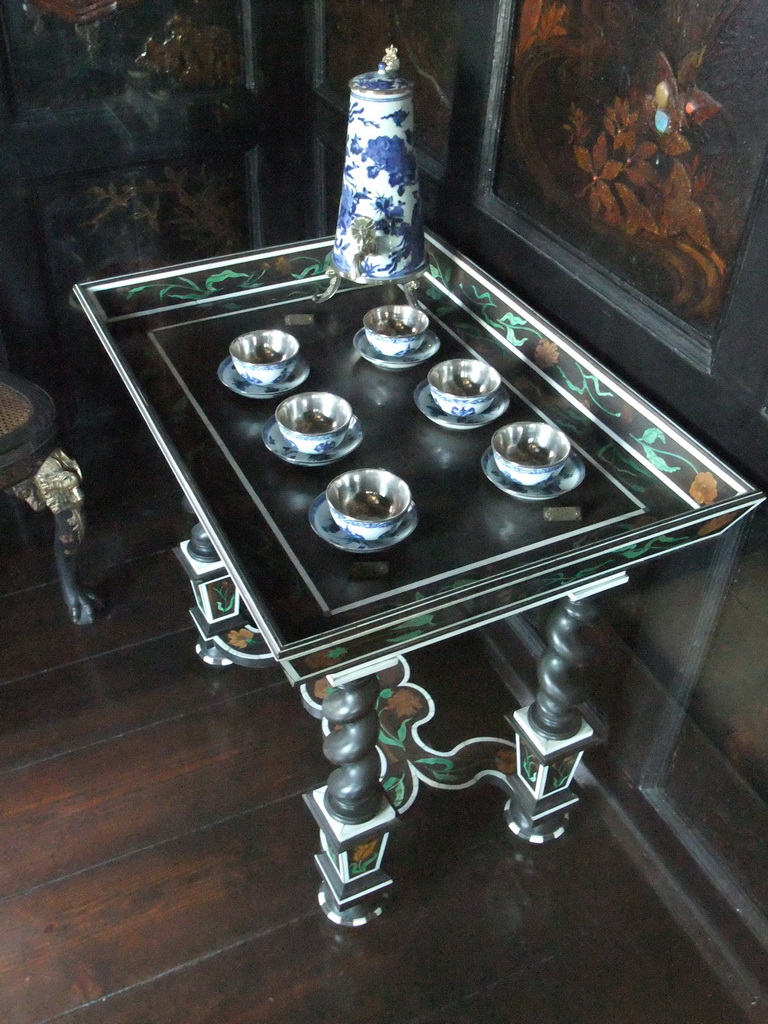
column 240, row 637
column 703, row 489
column 363, row 852
column 404, row 703
column 506, row 760
column 546, row 353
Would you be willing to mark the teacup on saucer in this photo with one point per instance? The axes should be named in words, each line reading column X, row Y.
column 395, row 330
column 530, row 453
column 368, row 503
column 463, row 387
column 262, row 357
column 314, row 421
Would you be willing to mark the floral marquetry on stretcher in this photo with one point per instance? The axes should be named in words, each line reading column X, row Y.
column 341, row 623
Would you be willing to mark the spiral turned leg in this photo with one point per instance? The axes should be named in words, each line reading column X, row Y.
column 561, row 673
column 354, row 816
column 551, row 733
column 353, row 794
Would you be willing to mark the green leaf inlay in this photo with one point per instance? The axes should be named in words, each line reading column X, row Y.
column 592, row 387
column 649, row 443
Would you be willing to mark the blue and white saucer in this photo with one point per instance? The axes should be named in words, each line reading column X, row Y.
column 296, row 374
column 570, row 476
column 426, row 350
column 426, row 404
column 324, row 526
column 283, row 449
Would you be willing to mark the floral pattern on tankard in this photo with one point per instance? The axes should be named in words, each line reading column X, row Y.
column 380, row 230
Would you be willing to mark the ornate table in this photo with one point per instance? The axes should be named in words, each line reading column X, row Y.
column 341, row 623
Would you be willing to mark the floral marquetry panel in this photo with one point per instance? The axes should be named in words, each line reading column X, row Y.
column 63, row 53
column 636, row 132
column 132, row 219
column 355, row 34
column 80, row 11
column 149, row 215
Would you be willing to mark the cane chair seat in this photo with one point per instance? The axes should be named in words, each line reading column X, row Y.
column 27, row 428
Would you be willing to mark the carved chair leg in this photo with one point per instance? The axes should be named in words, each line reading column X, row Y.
column 56, row 486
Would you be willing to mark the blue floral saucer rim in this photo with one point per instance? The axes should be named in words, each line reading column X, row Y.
column 284, row 450
column 570, row 476
column 324, row 526
column 427, row 405
column 232, row 380
column 426, row 350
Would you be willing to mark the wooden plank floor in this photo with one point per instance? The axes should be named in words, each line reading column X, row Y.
column 155, row 852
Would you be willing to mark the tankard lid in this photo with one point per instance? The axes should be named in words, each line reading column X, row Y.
column 384, row 82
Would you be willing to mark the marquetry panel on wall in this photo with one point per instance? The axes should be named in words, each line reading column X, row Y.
column 636, row 132
column 63, row 53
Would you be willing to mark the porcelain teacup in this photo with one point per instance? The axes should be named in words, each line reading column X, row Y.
column 530, row 453
column 368, row 503
column 314, row 421
column 463, row 387
column 395, row 330
column 263, row 357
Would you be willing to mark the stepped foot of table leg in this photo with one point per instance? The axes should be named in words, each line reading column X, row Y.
column 225, row 635
column 211, row 654
column 353, row 885
column 551, row 735
column 350, row 917
column 523, row 825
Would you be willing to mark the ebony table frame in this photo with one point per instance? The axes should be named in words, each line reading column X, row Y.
column 342, row 634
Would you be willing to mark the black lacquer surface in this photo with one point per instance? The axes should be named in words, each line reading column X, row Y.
column 464, row 520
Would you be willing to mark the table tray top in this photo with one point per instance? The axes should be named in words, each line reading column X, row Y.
column 476, row 552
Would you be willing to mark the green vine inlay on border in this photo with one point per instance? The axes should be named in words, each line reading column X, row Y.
column 591, row 387
column 649, row 442
column 558, row 773
column 360, row 867
column 194, row 292
column 530, row 768
column 412, row 628
column 442, row 769
column 505, row 323
column 628, row 469
column 227, row 594
column 396, row 788
column 315, row 268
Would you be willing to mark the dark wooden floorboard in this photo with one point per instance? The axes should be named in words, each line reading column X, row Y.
column 99, row 802
column 103, row 696
column 156, row 856
column 480, row 933
column 82, row 937
column 147, row 590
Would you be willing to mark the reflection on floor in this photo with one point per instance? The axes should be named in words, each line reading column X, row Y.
column 156, row 852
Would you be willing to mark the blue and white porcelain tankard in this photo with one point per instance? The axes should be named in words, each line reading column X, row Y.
column 380, row 229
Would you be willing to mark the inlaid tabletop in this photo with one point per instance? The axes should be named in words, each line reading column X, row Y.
column 477, row 552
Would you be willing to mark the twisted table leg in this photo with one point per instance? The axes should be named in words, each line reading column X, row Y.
column 551, row 733
column 352, row 811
